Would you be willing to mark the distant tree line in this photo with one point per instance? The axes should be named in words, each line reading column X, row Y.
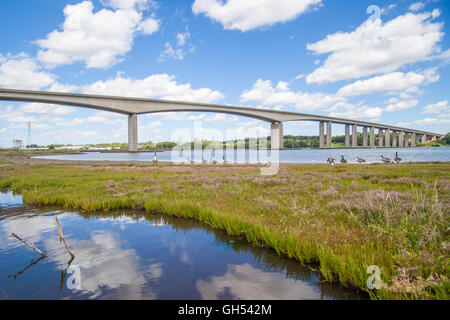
column 290, row 142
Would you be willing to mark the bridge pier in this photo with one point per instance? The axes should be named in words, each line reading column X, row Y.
column 322, row 134
column 329, row 135
column 132, row 132
column 394, row 139
column 424, row 139
column 372, row 137
column 347, row 136
column 380, row 138
column 413, row 140
column 406, row 140
column 365, row 137
column 401, row 139
column 388, row 138
column 354, row 136
column 276, row 136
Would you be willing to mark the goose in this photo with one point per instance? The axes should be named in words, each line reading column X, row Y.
column 360, row 160
column 213, row 162
column 397, row 158
column 225, row 161
column 343, row 161
column 204, row 161
column 331, row 161
column 155, row 160
column 385, row 160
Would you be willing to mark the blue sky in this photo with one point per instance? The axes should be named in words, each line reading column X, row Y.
column 313, row 56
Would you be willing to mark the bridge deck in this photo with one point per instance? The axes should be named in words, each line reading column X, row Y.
column 130, row 106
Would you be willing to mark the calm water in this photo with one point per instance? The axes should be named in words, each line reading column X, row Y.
column 286, row 156
column 132, row 255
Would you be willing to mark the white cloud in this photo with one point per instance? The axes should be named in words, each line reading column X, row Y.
column 263, row 92
column 42, row 108
column 59, row 87
column 182, row 38
column 388, row 8
column 170, row 52
column 402, row 105
column 160, row 86
column 126, row 4
column 11, row 115
column 244, row 282
column 391, row 82
column 417, row 6
column 149, row 26
column 375, row 47
column 251, row 14
column 427, row 122
column 196, row 117
column 172, row 116
column 71, row 122
column 97, row 118
column 437, row 108
column 22, row 72
column 155, row 127
column 350, row 111
column 217, row 117
column 178, row 52
column 221, row 118
column 35, row 125
column 99, row 39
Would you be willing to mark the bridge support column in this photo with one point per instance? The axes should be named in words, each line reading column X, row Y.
column 372, row 137
column 329, row 135
column 388, row 138
column 406, row 140
column 424, row 139
column 380, row 138
column 132, row 132
column 276, row 136
column 347, row 136
column 401, row 139
column 413, row 140
column 354, row 136
column 365, row 142
column 394, row 139
column 322, row 134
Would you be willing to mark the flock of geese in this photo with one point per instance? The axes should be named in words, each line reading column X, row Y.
column 330, row 160
column 155, row 160
column 397, row 159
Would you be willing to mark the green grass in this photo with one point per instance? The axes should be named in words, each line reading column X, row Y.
column 344, row 217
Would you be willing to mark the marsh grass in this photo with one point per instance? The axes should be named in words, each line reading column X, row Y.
column 345, row 218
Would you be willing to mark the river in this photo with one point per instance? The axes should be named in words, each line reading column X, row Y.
column 285, row 156
column 135, row 255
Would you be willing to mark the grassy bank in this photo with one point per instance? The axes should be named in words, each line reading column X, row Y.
column 344, row 217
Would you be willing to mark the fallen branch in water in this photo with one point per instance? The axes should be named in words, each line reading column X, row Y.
column 61, row 238
column 64, row 274
column 32, row 263
column 32, row 246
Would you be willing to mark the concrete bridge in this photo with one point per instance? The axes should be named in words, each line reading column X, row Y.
column 389, row 136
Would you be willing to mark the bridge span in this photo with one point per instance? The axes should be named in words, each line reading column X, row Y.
column 389, row 136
